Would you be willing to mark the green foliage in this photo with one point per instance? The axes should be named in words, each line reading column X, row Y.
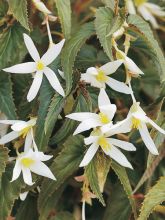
column 63, row 215
column 3, row 159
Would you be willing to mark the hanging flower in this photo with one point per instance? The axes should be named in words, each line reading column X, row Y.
column 40, row 67
column 41, row 7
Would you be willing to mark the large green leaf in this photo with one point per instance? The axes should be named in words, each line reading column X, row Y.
column 3, row 159
column 109, row 3
column 64, row 165
column 19, row 10
column 70, row 51
column 3, row 8
column 64, row 12
column 154, row 197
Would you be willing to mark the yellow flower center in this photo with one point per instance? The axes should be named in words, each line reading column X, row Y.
column 139, row 2
column 24, row 131
column 104, row 143
column 104, row 118
column 27, row 162
column 136, row 123
column 40, row 65
column 101, row 77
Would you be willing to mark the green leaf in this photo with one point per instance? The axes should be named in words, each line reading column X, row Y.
column 91, row 173
column 142, row 28
column 64, row 12
column 123, row 177
column 154, row 197
column 19, row 11
column 64, row 165
column 70, row 51
column 3, row 8
column 109, row 3
column 3, row 159
column 63, row 216
column 9, row 192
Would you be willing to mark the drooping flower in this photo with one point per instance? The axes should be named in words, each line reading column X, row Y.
column 92, row 120
column 109, row 146
column 39, row 67
column 137, row 119
column 99, row 77
column 19, row 128
column 31, row 161
column 41, row 7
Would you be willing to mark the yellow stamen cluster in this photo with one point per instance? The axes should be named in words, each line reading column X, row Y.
column 40, row 65
column 103, row 143
column 27, row 162
column 136, row 123
column 104, row 118
column 101, row 77
column 139, row 2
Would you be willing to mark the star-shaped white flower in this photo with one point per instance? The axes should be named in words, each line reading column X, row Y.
column 19, row 128
column 92, row 120
column 109, row 146
column 31, row 161
column 39, row 67
column 137, row 119
column 99, row 77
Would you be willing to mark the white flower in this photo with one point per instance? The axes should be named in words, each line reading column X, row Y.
column 92, row 120
column 41, row 7
column 20, row 128
column 31, row 161
column 109, row 147
column 98, row 77
column 137, row 119
column 40, row 67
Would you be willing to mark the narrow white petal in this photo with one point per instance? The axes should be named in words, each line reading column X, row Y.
column 9, row 137
column 147, row 139
column 18, row 126
column 28, row 67
column 83, row 210
column 130, row 7
column 119, row 157
column 89, row 155
column 122, row 144
column 16, row 171
column 109, row 110
column 111, row 67
column 41, row 7
column 35, row 86
column 27, row 176
column 92, row 71
column 90, row 140
column 9, row 122
column 43, row 157
column 132, row 66
column 23, row 196
column 155, row 9
column 61, row 74
column 88, row 78
column 82, row 116
column 118, row 86
column 28, row 142
column 103, row 98
column 42, row 170
column 53, row 80
column 52, row 53
column 31, row 47
column 155, row 126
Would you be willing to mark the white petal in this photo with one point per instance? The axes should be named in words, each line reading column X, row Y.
column 92, row 71
column 122, row 144
column 103, row 98
column 41, row 7
column 89, row 155
column 118, row 86
column 155, row 9
column 31, row 48
column 42, row 170
column 130, row 7
column 16, row 171
column 35, row 86
column 83, row 210
column 27, row 176
column 23, row 196
column 82, row 116
column 111, row 67
column 147, row 139
column 119, row 157
column 86, row 125
column 53, row 80
column 155, row 126
column 18, row 126
column 61, row 74
column 109, row 110
column 132, row 66
column 9, row 122
column 43, row 157
column 90, row 140
column 28, row 142
column 52, row 53
column 28, row 67
column 88, row 78
column 9, row 137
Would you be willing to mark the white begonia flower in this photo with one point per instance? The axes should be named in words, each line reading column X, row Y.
column 99, row 77
column 41, row 7
column 137, row 119
column 40, row 67
column 109, row 147
column 92, row 120
column 19, row 128
column 31, row 161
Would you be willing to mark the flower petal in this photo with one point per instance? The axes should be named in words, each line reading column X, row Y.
column 90, row 140
column 28, row 67
column 53, row 80
column 31, row 48
column 155, row 126
column 16, row 171
column 118, row 86
column 28, row 142
column 147, row 139
column 42, row 170
column 82, row 116
column 43, row 157
column 130, row 7
column 89, row 155
column 52, row 53
column 92, row 71
column 122, row 144
column 35, row 86
column 9, row 122
column 103, row 99
column 18, row 126
column 23, row 196
column 27, row 176
column 155, row 9
column 132, row 66
column 109, row 110
column 41, row 7
column 9, row 137
column 111, row 67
